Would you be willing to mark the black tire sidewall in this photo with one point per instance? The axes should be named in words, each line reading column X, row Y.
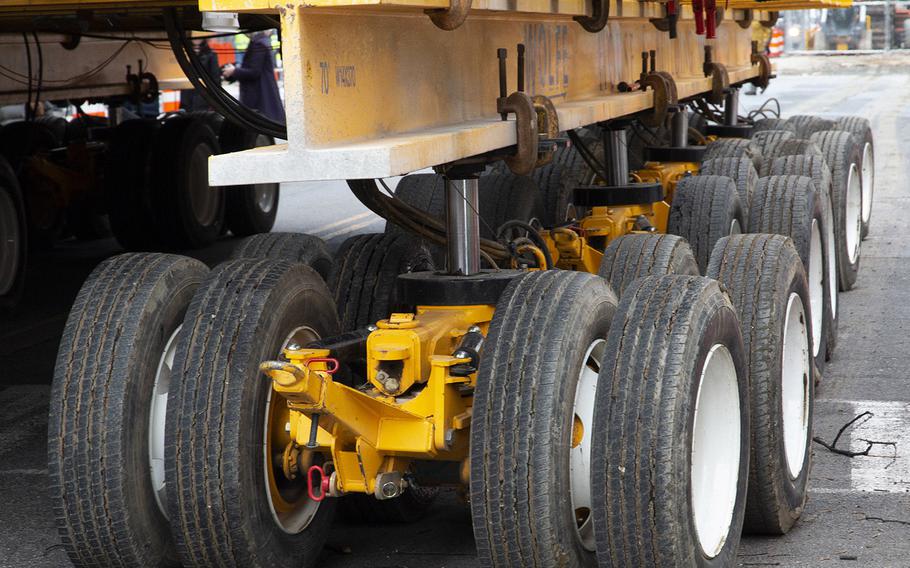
column 10, row 185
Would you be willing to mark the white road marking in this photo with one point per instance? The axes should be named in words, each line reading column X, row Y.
column 344, row 221
column 350, row 228
column 887, row 467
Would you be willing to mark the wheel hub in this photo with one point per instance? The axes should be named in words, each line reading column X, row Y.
column 157, row 420
column 854, row 214
column 795, row 384
column 580, row 452
column 715, row 451
column 816, row 285
column 868, row 180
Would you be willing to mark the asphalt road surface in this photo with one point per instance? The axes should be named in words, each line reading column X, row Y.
column 859, row 508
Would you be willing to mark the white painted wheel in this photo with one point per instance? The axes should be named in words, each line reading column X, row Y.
column 157, row 414
column 580, row 453
column 868, row 180
column 831, row 248
column 795, row 379
column 291, row 508
column 816, row 285
column 715, row 451
column 735, row 227
column 853, row 214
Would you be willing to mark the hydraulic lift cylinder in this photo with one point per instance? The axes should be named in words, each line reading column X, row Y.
column 462, row 226
column 731, row 108
column 617, row 153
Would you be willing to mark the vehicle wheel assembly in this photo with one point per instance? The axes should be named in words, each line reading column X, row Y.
column 766, row 281
column 732, row 148
column 127, row 187
column 108, row 403
column 791, row 206
column 773, row 124
column 862, row 133
column 630, row 257
column 741, row 171
column 229, row 500
column 294, row 247
column 544, row 349
column 705, row 209
column 806, row 125
column 842, row 154
column 816, row 168
column 249, row 209
column 670, row 456
column 13, row 238
column 365, row 276
column 783, row 148
column 189, row 213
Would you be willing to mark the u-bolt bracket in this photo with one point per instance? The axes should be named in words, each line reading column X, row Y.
column 720, row 79
column 665, row 96
column 523, row 161
column 600, row 13
column 452, row 17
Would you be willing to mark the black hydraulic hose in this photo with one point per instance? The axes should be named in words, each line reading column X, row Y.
column 532, row 234
column 213, row 94
column 28, row 58
column 587, row 155
column 40, row 71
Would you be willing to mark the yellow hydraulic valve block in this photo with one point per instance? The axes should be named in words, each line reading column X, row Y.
column 667, row 174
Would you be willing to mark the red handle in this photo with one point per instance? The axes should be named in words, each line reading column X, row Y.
column 698, row 7
column 331, row 370
column 671, row 8
column 711, row 18
column 323, row 483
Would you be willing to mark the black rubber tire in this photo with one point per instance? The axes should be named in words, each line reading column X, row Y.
column 732, row 148
column 816, row 168
column 741, row 171
column 14, row 257
column 173, row 177
column 365, row 275
column 535, row 349
column 761, row 273
column 788, row 205
column 703, row 211
column 765, row 140
column 218, row 503
column 644, row 423
column 862, row 132
column 294, row 247
column 630, row 257
column 504, row 197
column 784, row 148
column 842, row 154
column 98, row 436
column 21, row 140
column 806, row 125
column 557, row 182
column 773, row 124
column 244, row 214
column 127, row 184
column 698, row 122
column 56, row 124
column 423, row 191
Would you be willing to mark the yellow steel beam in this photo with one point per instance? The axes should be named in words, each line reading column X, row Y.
column 376, row 91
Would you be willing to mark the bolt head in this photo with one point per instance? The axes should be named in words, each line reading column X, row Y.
column 390, row 490
column 293, row 346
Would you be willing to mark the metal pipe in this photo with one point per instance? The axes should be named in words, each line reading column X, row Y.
column 680, row 128
column 731, row 108
column 617, row 156
column 462, row 226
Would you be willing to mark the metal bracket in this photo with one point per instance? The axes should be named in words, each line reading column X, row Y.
column 600, row 13
column 720, row 79
column 764, row 63
column 773, row 16
column 525, row 158
column 452, row 17
column 746, row 22
column 663, row 85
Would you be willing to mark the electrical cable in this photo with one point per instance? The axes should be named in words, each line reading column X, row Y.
column 532, row 234
column 40, row 70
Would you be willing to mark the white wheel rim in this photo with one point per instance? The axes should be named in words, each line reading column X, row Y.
column 795, row 373
column 735, row 227
column 580, row 452
column 853, row 216
column 816, row 285
column 295, row 516
column 868, row 180
column 831, row 249
column 9, row 242
column 715, row 451
column 157, row 420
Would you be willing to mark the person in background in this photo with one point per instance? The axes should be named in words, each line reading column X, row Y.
column 190, row 100
column 258, row 87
